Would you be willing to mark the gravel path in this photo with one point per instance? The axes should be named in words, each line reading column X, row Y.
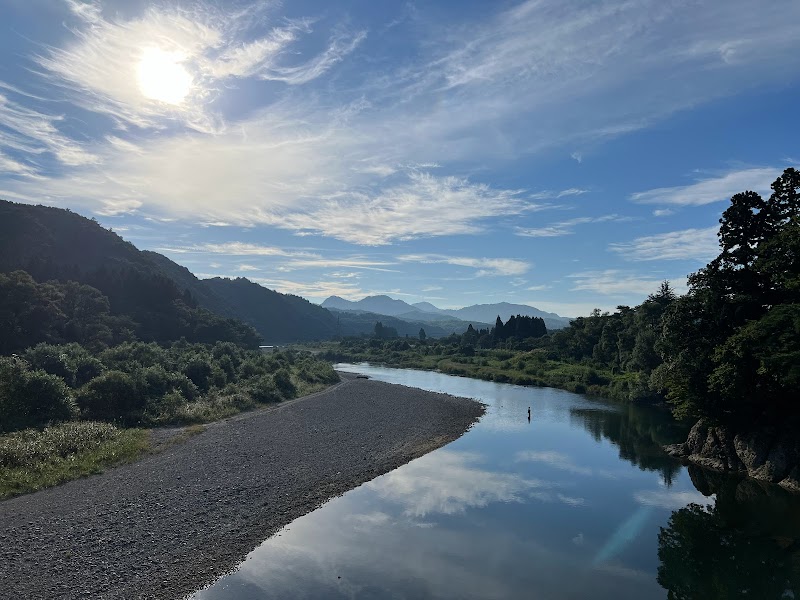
column 175, row 521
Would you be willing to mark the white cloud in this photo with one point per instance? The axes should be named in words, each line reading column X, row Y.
column 670, row 500
column 541, row 74
column 612, row 282
column 99, row 65
column 296, row 259
column 237, row 249
column 710, row 190
column 485, row 266
column 313, row 290
column 577, row 156
column 30, row 133
column 663, row 212
column 572, row 309
column 567, row 227
column 571, row 192
column 340, row 46
column 448, row 482
column 413, row 209
column 551, row 194
column 688, row 244
column 554, row 459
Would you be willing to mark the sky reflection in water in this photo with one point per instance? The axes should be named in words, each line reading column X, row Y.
column 566, row 506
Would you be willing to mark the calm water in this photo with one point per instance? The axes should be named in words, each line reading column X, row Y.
column 577, row 503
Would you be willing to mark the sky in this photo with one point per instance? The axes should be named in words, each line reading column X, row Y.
column 565, row 154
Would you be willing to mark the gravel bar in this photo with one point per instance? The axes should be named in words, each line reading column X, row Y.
column 176, row 521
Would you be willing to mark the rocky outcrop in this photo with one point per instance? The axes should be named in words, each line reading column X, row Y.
column 768, row 453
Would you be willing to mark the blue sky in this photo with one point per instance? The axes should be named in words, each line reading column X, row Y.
column 564, row 154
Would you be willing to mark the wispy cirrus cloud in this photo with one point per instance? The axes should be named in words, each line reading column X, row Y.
column 537, row 75
column 557, row 460
column 709, row 190
column 237, row 249
column 688, row 244
column 567, row 227
column 484, row 266
column 289, row 259
column 614, row 282
column 671, row 500
column 550, row 194
column 99, row 66
column 422, row 206
column 314, row 290
column 30, row 133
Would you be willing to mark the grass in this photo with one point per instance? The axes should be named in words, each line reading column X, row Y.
column 531, row 368
column 33, row 459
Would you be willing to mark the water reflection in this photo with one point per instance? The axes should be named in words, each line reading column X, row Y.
column 744, row 544
column 539, row 510
column 639, row 433
column 448, row 482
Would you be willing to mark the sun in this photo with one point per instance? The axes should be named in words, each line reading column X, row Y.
column 162, row 77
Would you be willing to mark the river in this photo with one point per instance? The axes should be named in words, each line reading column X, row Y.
column 577, row 502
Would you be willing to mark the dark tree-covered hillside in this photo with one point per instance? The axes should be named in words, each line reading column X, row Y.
column 277, row 317
column 161, row 298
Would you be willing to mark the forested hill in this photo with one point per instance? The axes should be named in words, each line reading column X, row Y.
column 277, row 317
column 147, row 295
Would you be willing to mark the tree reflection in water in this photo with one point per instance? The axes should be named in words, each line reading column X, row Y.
column 745, row 544
column 639, row 433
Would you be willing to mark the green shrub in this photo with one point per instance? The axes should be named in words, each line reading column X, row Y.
column 111, row 396
column 50, row 359
column 32, row 398
column 283, row 381
column 199, row 372
column 164, row 409
column 264, row 390
column 86, row 369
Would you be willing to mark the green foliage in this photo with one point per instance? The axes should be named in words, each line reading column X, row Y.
column 277, row 317
column 144, row 383
column 111, row 396
column 32, row 459
column 283, row 381
column 264, row 390
column 705, row 553
column 31, row 398
column 383, row 332
column 730, row 345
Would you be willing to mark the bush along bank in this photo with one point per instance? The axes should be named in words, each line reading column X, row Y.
column 66, row 411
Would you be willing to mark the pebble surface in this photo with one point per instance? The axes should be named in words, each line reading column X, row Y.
column 176, row 521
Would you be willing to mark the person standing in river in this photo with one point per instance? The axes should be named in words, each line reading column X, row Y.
column 529, row 414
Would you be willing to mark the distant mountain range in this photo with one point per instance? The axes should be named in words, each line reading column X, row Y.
column 53, row 243
column 479, row 314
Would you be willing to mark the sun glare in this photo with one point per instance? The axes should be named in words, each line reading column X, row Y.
column 162, row 77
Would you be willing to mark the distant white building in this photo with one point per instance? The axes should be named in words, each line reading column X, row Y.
column 268, row 349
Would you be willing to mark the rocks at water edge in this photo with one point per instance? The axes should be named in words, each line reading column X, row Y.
column 768, row 453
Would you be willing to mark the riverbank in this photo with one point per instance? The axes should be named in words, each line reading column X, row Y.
column 174, row 522
column 769, row 453
column 519, row 367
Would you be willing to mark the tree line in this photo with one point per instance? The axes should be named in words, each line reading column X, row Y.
column 728, row 350
column 138, row 383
